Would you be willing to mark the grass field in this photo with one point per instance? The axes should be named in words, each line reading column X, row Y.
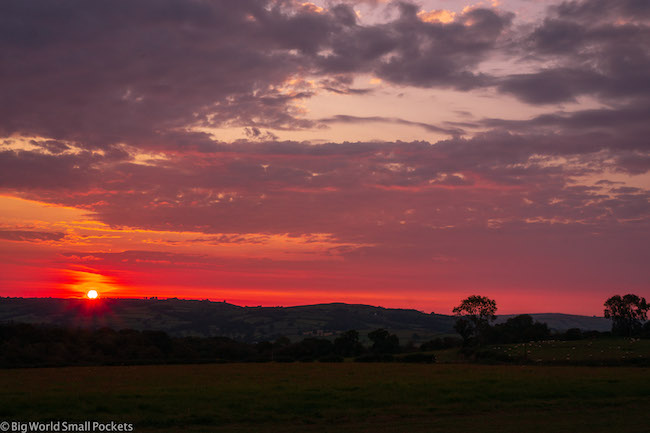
column 606, row 350
column 600, row 351
column 344, row 397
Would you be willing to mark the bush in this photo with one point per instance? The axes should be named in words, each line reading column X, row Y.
column 375, row 357
column 331, row 358
column 441, row 343
column 573, row 334
column 284, row 359
column 418, row 358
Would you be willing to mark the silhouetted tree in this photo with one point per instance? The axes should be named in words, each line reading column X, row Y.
column 627, row 313
column 572, row 334
column 264, row 351
column 383, row 341
column 308, row 349
column 441, row 343
column 465, row 329
column 347, row 344
column 474, row 316
column 520, row 329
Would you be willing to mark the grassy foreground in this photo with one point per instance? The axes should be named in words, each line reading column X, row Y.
column 346, row 397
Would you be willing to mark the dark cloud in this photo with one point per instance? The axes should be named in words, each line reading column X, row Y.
column 552, row 86
column 598, row 48
column 30, row 236
column 341, row 118
column 620, row 130
column 603, row 10
column 341, row 84
column 254, row 133
column 25, row 169
column 436, row 54
column 111, row 72
column 99, row 73
column 232, row 239
column 410, row 51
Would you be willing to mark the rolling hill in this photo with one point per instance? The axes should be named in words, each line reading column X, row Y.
column 206, row 318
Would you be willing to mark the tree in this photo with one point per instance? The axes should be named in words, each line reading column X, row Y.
column 627, row 313
column 520, row 329
column 383, row 341
column 474, row 316
column 347, row 344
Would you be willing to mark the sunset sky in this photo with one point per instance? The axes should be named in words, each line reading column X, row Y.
column 280, row 152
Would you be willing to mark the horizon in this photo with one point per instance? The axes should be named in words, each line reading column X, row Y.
column 216, row 301
column 278, row 152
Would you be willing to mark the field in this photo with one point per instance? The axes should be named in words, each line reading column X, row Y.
column 603, row 350
column 599, row 351
column 343, row 397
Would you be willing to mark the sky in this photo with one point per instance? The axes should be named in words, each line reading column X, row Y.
column 281, row 152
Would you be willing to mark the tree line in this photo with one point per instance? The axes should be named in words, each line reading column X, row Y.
column 30, row 345
column 475, row 315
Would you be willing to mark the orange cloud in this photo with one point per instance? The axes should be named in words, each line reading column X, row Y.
column 437, row 16
column 312, row 8
column 78, row 282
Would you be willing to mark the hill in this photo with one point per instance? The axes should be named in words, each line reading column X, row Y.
column 205, row 318
column 562, row 322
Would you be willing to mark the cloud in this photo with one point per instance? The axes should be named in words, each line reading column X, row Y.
column 595, row 48
column 170, row 66
column 134, row 71
column 31, row 169
column 357, row 192
column 254, row 133
column 411, row 51
column 341, row 84
column 618, row 130
column 603, row 10
column 30, row 236
column 233, row 239
column 101, row 73
column 342, row 118
column 552, row 86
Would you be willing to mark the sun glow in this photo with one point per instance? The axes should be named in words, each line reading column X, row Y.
column 92, row 294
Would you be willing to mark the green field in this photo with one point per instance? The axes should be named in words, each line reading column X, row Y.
column 343, row 397
column 605, row 350
column 599, row 351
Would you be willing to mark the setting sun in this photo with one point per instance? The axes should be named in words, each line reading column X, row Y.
column 92, row 294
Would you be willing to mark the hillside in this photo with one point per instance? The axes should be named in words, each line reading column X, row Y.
column 206, row 318
column 562, row 322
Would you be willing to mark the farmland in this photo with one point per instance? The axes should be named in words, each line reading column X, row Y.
column 342, row 397
column 596, row 351
column 591, row 351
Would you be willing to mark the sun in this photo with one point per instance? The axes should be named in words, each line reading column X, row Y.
column 92, row 294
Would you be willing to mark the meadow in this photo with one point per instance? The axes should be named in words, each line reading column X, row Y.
column 612, row 351
column 338, row 397
column 603, row 351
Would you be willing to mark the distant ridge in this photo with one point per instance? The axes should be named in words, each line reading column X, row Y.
column 562, row 322
column 206, row 318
